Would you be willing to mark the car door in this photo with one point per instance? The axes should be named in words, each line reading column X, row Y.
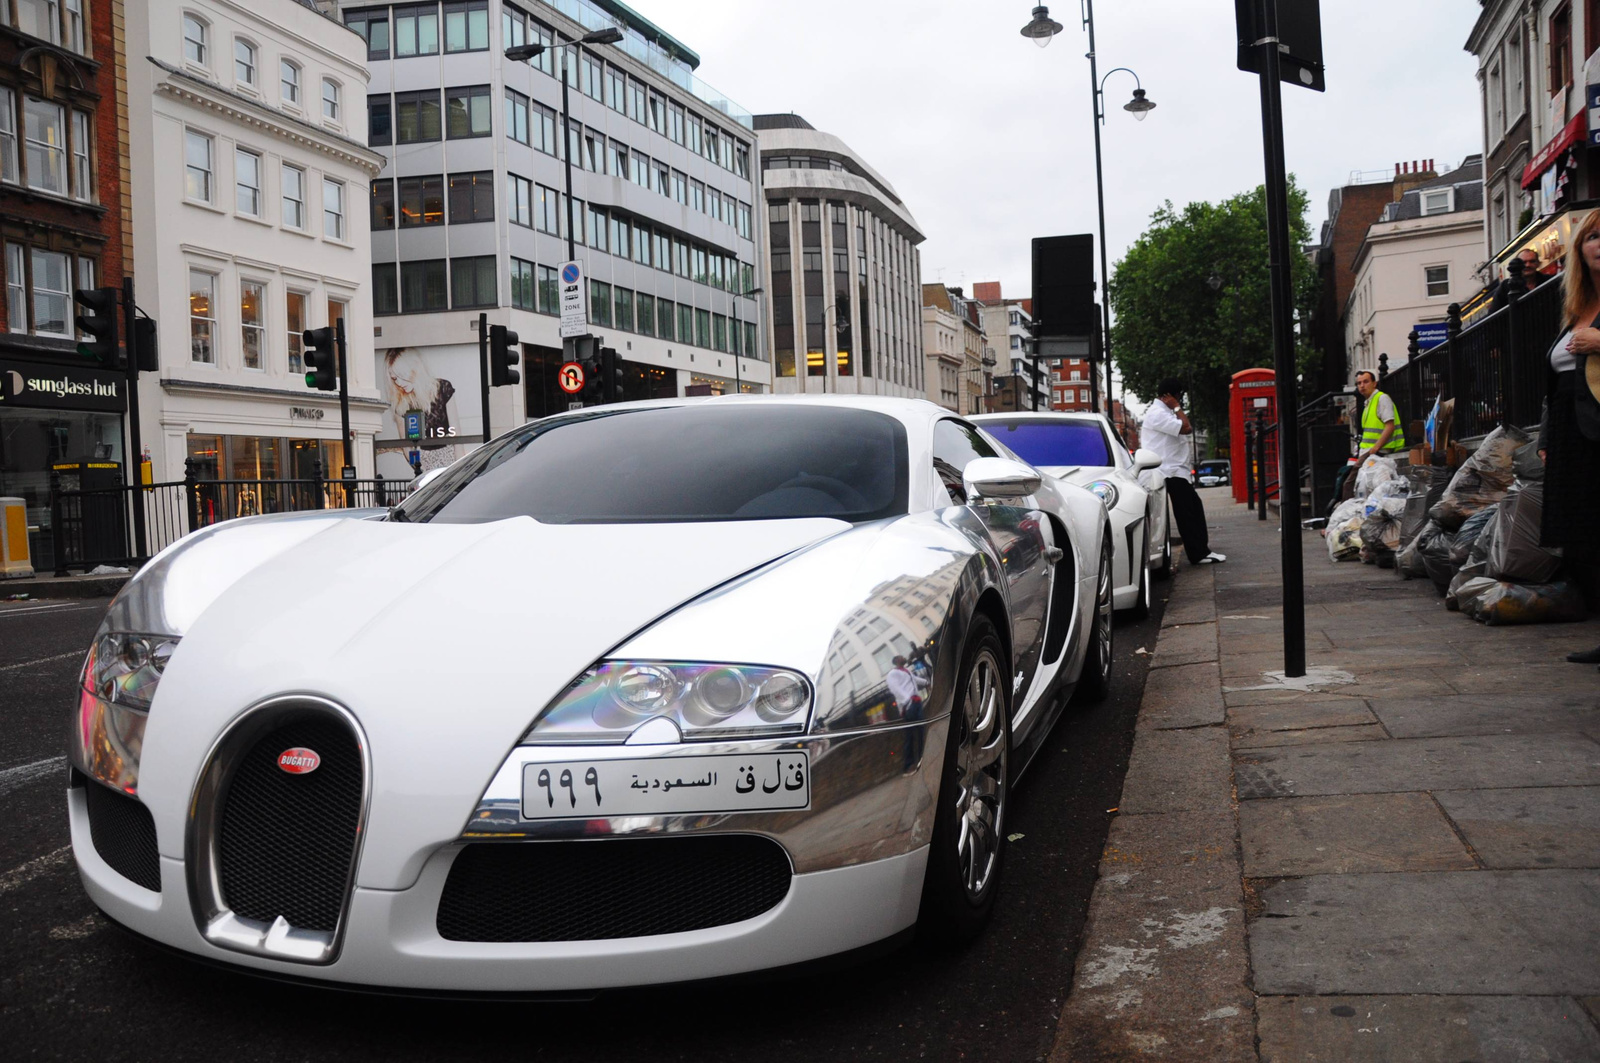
column 1021, row 535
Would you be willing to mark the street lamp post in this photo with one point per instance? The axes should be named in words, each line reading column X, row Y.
column 1040, row 30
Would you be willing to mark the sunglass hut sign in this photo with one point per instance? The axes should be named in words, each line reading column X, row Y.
column 60, row 388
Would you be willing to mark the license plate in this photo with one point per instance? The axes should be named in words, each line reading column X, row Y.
column 583, row 789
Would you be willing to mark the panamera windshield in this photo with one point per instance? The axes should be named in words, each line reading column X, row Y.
column 697, row 462
column 1051, row 442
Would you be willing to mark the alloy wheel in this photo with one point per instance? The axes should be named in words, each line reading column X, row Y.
column 980, row 776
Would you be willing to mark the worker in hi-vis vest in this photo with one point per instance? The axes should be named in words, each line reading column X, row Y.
column 1381, row 434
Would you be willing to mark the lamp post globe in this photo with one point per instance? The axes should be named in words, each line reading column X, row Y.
column 1139, row 106
column 1042, row 27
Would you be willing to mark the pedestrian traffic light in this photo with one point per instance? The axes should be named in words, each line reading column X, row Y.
column 322, row 366
column 144, row 345
column 610, row 376
column 502, row 356
column 100, row 322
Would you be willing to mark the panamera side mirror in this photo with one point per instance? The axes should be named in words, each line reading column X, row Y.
column 999, row 478
column 1145, row 458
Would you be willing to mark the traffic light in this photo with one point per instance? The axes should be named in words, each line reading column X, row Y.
column 322, row 366
column 100, row 322
column 144, row 345
column 610, row 376
column 502, row 356
column 586, row 352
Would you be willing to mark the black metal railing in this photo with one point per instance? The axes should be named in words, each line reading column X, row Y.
column 1261, row 463
column 96, row 527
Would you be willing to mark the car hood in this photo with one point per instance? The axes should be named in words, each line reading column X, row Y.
column 443, row 640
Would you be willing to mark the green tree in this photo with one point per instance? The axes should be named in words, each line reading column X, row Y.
column 1192, row 299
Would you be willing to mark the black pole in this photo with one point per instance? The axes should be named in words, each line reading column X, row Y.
column 141, row 541
column 1249, row 464
column 1100, row 192
column 344, row 402
column 1263, row 490
column 1294, row 616
column 483, row 369
column 566, row 133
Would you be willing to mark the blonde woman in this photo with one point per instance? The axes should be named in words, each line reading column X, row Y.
column 412, row 386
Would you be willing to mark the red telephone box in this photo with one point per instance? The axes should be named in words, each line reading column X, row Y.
column 1252, row 391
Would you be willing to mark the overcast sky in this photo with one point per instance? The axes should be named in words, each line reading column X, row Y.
column 987, row 137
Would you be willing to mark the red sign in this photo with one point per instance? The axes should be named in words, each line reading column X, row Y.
column 299, row 760
column 1570, row 134
column 570, row 377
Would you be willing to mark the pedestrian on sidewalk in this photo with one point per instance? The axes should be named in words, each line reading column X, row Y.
column 1571, row 518
column 1381, row 434
column 1165, row 425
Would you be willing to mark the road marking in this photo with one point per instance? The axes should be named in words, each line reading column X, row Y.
column 23, row 774
column 26, row 873
column 43, row 660
column 32, row 609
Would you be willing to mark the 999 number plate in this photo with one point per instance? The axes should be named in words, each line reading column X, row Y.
column 665, row 786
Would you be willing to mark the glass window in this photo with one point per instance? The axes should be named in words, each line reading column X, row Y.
column 685, row 324
column 694, row 133
column 698, row 462
column 417, row 117
column 467, row 112
column 294, row 197
column 702, row 328
column 244, row 62
column 197, row 169
column 195, row 48
column 599, row 303
column 642, row 243
column 16, row 289
column 416, row 30
column 247, row 182
column 656, row 113
column 719, row 332
column 385, row 291
column 616, row 89
column 251, row 325
column 519, row 200
column 421, row 201
column 590, row 77
column 1054, row 442
column 373, row 25
column 513, row 27
column 624, row 304
column 422, row 286
column 636, row 100
column 549, row 297
column 680, row 187
column 547, row 216
column 289, row 83
column 8, row 135
column 75, row 38
column 617, row 160
column 664, row 326
column 544, row 128
column 646, row 313
column 472, row 282
column 517, row 116
column 380, row 125
column 82, row 181
column 466, row 26
column 332, row 209
column 598, row 229
column 382, row 204
column 45, row 129
column 1438, row 280
column 202, row 317
column 675, row 123
column 330, row 99
column 522, row 285
column 697, row 196
column 471, row 197
column 294, row 310
column 621, row 236
column 52, row 293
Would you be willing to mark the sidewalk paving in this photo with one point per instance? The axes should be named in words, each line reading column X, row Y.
column 1400, row 862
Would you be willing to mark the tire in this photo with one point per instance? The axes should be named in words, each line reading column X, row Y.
column 967, row 852
column 1141, row 605
column 1095, row 682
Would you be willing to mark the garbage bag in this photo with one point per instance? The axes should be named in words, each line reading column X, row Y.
column 1527, row 465
column 1478, row 526
column 1435, row 555
column 1514, row 552
column 1465, row 591
column 1482, row 480
column 1380, row 530
column 1528, row 603
column 1408, row 562
column 1397, row 488
column 1374, row 471
column 1425, row 484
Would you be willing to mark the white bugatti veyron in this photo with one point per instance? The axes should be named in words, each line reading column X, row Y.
column 642, row 693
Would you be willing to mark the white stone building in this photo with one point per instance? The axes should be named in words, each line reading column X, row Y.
column 248, row 182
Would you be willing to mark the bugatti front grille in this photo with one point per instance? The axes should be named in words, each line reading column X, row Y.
column 286, row 838
column 123, row 834
column 622, row 887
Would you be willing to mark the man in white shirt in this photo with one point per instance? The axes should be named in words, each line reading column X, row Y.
column 1165, row 426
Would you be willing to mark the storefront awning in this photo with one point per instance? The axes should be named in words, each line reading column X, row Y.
column 1570, row 134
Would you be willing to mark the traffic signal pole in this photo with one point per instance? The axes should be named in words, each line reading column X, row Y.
column 141, row 540
column 348, row 472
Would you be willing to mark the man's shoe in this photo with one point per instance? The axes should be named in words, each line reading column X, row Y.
column 1214, row 558
column 1585, row 656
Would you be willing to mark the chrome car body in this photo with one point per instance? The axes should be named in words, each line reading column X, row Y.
column 1135, row 497
column 448, row 654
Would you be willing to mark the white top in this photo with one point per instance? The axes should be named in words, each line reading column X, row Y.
column 1163, row 433
column 904, row 685
column 1561, row 359
column 1386, row 412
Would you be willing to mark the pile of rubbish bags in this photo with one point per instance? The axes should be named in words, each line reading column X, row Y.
column 1474, row 533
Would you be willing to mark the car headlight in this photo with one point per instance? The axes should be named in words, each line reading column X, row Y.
column 705, row 701
column 1105, row 491
column 118, row 683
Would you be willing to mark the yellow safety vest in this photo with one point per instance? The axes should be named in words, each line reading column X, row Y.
column 1372, row 428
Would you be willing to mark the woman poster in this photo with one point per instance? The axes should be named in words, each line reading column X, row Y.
column 412, row 386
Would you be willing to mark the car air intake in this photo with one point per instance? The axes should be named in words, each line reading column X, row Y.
column 123, row 834
column 611, row 888
column 286, row 838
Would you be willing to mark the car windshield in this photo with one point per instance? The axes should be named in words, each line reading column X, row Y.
column 698, row 462
column 1213, row 466
column 1052, row 442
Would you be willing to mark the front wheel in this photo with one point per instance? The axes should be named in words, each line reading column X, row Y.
column 968, row 845
column 1095, row 682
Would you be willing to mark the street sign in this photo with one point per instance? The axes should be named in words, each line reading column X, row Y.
column 1431, row 335
column 413, row 424
column 574, row 301
column 1299, row 40
column 570, row 377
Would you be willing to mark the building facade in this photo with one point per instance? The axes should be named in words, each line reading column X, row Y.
column 841, row 268
column 62, row 226
column 952, row 358
column 249, row 185
column 1419, row 257
column 1352, row 209
column 470, row 214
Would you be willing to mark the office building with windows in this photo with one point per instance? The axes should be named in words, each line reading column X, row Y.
column 62, row 226
column 250, row 177
column 470, row 213
column 842, row 272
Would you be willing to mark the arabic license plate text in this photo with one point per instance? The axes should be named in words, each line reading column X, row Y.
column 583, row 789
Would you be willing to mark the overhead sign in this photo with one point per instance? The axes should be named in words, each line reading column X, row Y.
column 1299, row 40
column 61, row 387
column 570, row 377
column 574, row 301
column 1431, row 335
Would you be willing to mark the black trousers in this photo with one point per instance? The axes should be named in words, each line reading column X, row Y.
column 1190, row 513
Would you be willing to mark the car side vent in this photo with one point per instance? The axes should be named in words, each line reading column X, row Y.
column 1063, row 596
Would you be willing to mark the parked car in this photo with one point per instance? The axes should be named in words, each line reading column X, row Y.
column 643, row 693
column 1211, row 473
column 1082, row 449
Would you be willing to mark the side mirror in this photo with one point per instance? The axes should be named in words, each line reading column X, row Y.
column 999, row 478
column 427, row 478
column 1145, row 458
